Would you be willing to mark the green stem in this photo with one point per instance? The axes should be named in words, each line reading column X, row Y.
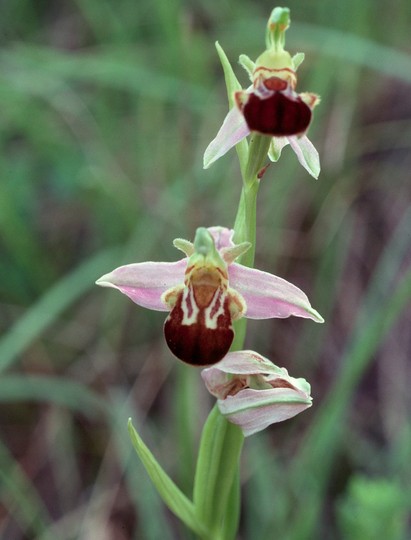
column 245, row 222
column 217, row 466
column 257, row 157
column 246, row 218
column 245, row 231
column 232, row 516
column 216, row 485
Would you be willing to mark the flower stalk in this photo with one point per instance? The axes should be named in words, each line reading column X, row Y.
column 216, row 500
column 210, row 292
column 217, row 486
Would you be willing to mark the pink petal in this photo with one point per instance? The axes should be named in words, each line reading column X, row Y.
column 223, row 237
column 246, row 363
column 144, row 283
column 306, row 154
column 268, row 296
column 233, row 130
column 254, row 410
column 239, row 365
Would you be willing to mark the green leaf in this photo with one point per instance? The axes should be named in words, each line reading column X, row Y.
column 57, row 390
column 50, row 306
column 176, row 501
column 20, row 498
column 373, row 508
column 217, row 469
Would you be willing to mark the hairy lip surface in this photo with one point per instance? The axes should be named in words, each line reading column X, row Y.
column 278, row 115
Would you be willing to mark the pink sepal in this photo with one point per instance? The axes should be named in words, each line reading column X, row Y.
column 254, row 410
column 268, row 296
column 253, row 393
column 233, row 130
column 144, row 283
column 306, row 154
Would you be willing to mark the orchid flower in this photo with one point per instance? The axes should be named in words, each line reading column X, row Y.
column 254, row 393
column 205, row 292
column 271, row 106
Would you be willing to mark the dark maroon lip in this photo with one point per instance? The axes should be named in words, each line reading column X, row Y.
column 195, row 343
column 278, row 115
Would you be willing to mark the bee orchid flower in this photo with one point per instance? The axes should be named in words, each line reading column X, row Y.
column 205, row 292
column 254, row 393
column 271, row 106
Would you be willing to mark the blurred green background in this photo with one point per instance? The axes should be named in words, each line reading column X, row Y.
column 105, row 110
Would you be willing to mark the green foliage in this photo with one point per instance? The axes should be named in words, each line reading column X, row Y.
column 170, row 493
column 374, row 508
column 106, row 109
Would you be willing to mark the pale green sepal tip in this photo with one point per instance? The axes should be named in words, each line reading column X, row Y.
column 173, row 497
column 316, row 315
column 297, row 60
column 184, row 245
column 305, row 386
column 246, row 63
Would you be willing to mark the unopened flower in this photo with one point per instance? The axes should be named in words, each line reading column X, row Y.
column 254, row 393
column 271, row 106
column 205, row 292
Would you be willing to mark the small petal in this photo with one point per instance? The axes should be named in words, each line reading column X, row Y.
column 145, row 283
column 184, row 245
column 230, row 254
column 248, row 65
column 223, row 237
column 233, row 130
column 306, row 154
column 297, row 60
column 254, row 410
column 269, row 296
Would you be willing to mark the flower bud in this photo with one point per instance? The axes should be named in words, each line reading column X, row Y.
column 254, row 393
